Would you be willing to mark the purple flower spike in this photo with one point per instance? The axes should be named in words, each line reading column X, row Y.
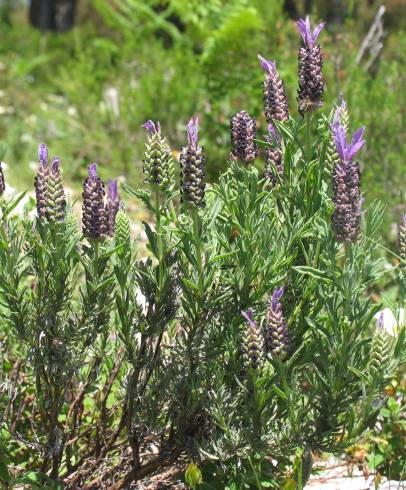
column 277, row 336
column 308, row 36
column 267, row 65
column 192, row 132
column 43, row 155
column 151, row 127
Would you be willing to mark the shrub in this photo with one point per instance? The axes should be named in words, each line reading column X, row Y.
column 245, row 338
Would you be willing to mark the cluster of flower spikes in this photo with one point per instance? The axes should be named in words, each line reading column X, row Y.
column 192, row 185
column 273, row 340
column 158, row 161
column 311, row 82
column 346, row 182
column 243, row 133
column 98, row 218
column 2, row 181
column 49, row 192
column 379, row 348
column 402, row 240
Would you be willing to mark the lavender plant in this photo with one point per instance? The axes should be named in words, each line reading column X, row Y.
column 244, row 338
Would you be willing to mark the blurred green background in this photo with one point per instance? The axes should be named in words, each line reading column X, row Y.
column 87, row 91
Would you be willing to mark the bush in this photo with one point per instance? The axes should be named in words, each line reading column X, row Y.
column 247, row 332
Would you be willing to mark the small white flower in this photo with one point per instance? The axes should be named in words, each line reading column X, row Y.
column 390, row 323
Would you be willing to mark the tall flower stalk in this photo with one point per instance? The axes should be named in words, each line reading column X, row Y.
column 193, row 186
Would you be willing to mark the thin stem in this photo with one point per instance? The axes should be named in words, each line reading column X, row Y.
column 308, row 156
column 198, row 245
column 159, row 238
column 308, row 136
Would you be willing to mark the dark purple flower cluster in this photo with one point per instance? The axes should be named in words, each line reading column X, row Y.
column 192, row 174
column 243, row 133
column 276, row 334
column 275, row 98
column 98, row 218
column 311, row 82
column 346, row 184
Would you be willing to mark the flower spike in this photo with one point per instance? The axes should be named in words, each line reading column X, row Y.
column 252, row 348
column 158, row 161
column 192, row 174
column 274, row 93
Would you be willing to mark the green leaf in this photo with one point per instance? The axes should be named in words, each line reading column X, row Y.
column 359, row 374
column 315, row 273
column 279, row 392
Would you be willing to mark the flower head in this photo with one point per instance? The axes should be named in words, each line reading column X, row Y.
column 309, row 37
column 55, row 194
column 243, row 133
column 192, row 183
column 277, row 336
column 252, row 342
column 95, row 218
